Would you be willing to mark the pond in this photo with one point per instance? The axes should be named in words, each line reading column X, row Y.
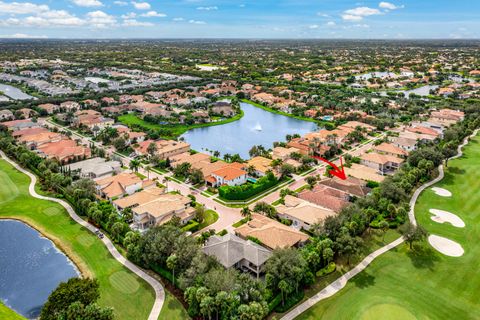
column 31, row 267
column 257, row 127
column 14, row 93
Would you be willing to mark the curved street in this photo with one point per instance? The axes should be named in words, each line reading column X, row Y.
column 157, row 286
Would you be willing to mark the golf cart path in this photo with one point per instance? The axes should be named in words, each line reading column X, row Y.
column 338, row 284
column 157, row 286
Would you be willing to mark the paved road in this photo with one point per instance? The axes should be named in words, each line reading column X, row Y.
column 159, row 291
column 338, row 284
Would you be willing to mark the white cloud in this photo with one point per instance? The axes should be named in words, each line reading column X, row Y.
column 100, row 19
column 150, row 14
column 22, row 36
column 359, row 13
column 135, row 23
column 331, row 23
column 349, row 17
column 196, row 22
column 141, row 5
column 324, row 15
column 21, row 8
column 208, row 8
column 389, row 6
column 178, row 19
column 129, row 15
column 121, row 3
column 88, row 3
column 313, row 26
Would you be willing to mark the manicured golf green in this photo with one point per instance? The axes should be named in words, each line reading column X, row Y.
column 9, row 314
column 131, row 297
column 423, row 284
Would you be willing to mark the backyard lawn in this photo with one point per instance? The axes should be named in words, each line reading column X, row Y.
column 423, row 284
column 131, row 297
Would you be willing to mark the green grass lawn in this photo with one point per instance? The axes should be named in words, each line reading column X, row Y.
column 176, row 129
column 8, row 314
column 210, row 218
column 131, row 297
column 422, row 284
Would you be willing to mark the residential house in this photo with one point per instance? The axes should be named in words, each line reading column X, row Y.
column 64, row 151
column 234, row 252
column 121, row 185
column 69, row 106
column 352, row 186
column 406, row 144
column 153, row 207
column 95, row 168
column 231, row 175
column 282, row 153
column 164, row 148
column 6, row 115
column 390, row 149
column 261, row 165
column 326, row 197
column 303, row 214
column 383, row 163
column 15, row 125
column 270, row 233
column 49, row 108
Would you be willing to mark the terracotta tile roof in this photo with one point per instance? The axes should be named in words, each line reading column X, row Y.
column 271, row 233
column 390, row 148
column 326, row 197
column 424, row 130
column 64, row 150
column 115, row 186
column 139, row 198
column 380, row 158
column 229, row 173
column 29, row 131
column 304, row 211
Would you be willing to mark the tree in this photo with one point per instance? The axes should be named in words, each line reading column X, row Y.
column 152, row 148
column 171, row 264
column 284, row 288
column 285, row 264
column 78, row 311
column 414, row 234
column 83, row 291
column 148, row 169
column 196, row 176
column 286, row 170
column 134, row 165
column 200, row 213
column 311, row 180
column 265, row 208
column 246, row 213
column 347, row 245
column 120, row 144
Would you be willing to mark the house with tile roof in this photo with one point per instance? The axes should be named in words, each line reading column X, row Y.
column 152, row 207
column 121, row 185
column 165, row 148
column 384, row 164
column 303, row 214
column 234, row 252
column 230, row 175
column 390, row 149
column 64, row 151
column 272, row 234
column 326, row 197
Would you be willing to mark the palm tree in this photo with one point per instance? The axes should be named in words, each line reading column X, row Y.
column 283, row 286
column 171, row 264
column 246, row 212
column 148, row 169
column 134, row 165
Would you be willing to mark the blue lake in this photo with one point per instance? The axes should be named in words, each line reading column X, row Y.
column 257, row 127
column 31, row 267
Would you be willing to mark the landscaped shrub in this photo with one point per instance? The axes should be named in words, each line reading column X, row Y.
column 248, row 190
column 165, row 274
column 372, row 184
column 275, row 302
column 192, row 226
column 222, row 233
column 327, row 270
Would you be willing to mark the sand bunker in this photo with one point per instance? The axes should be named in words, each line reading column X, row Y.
column 442, row 192
column 441, row 216
column 446, row 246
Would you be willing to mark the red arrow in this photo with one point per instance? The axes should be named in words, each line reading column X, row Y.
column 335, row 171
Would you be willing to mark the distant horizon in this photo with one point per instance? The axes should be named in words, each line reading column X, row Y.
column 240, row 19
column 250, row 39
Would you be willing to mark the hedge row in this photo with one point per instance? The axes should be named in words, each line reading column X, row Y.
column 247, row 190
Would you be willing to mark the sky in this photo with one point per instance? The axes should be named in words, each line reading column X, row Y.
column 323, row 19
